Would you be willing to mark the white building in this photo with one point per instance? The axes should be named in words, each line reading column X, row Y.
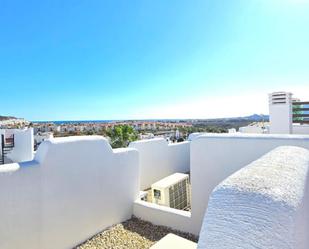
column 287, row 115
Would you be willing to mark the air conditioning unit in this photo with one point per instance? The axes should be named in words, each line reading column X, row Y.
column 172, row 191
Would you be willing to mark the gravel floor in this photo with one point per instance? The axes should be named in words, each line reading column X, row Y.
column 133, row 233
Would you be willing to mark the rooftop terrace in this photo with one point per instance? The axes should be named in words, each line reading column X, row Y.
column 77, row 187
column 132, row 234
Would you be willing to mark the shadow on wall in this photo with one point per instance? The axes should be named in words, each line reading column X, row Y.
column 159, row 159
column 213, row 158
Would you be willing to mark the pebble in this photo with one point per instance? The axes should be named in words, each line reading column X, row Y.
column 133, row 234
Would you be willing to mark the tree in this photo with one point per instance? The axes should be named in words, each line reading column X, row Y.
column 89, row 132
column 121, row 135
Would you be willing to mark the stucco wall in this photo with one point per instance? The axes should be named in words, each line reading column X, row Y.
column 264, row 205
column 159, row 159
column 179, row 157
column 23, row 144
column 215, row 157
column 194, row 135
column 74, row 188
column 164, row 216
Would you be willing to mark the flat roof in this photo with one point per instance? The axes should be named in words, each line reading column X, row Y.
column 169, row 180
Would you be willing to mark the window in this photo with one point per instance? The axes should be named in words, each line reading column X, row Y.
column 157, row 194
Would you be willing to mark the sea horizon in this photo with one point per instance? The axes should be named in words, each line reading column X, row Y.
column 253, row 116
column 101, row 121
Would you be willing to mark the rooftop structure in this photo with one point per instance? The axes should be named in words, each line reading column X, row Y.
column 280, row 113
column 78, row 187
column 287, row 115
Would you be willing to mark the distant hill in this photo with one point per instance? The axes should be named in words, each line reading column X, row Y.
column 257, row 117
column 234, row 122
column 6, row 118
column 253, row 118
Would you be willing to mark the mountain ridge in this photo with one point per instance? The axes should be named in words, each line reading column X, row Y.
column 2, row 118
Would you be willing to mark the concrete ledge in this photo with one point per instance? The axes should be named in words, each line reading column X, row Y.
column 173, row 241
column 164, row 216
column 202, row 135
column 250, row 136
column 264, row 205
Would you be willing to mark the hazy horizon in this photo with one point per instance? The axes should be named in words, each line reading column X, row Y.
column 156, row 119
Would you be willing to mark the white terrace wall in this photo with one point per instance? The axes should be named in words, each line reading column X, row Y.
column 164, row 216
column 263, row 205
column 215, row 157
column 74, row 188
column 159, row 159
column 23, row 144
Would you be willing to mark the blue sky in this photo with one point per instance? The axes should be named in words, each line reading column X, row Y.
column 112, row 59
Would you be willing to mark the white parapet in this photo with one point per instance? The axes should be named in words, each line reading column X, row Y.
column 213, row 158
column 159, row 159
column 264, row 205
column 280, row 113
column 173, row 241
column 74, row 188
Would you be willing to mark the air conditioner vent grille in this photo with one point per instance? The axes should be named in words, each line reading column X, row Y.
column 178, row 195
